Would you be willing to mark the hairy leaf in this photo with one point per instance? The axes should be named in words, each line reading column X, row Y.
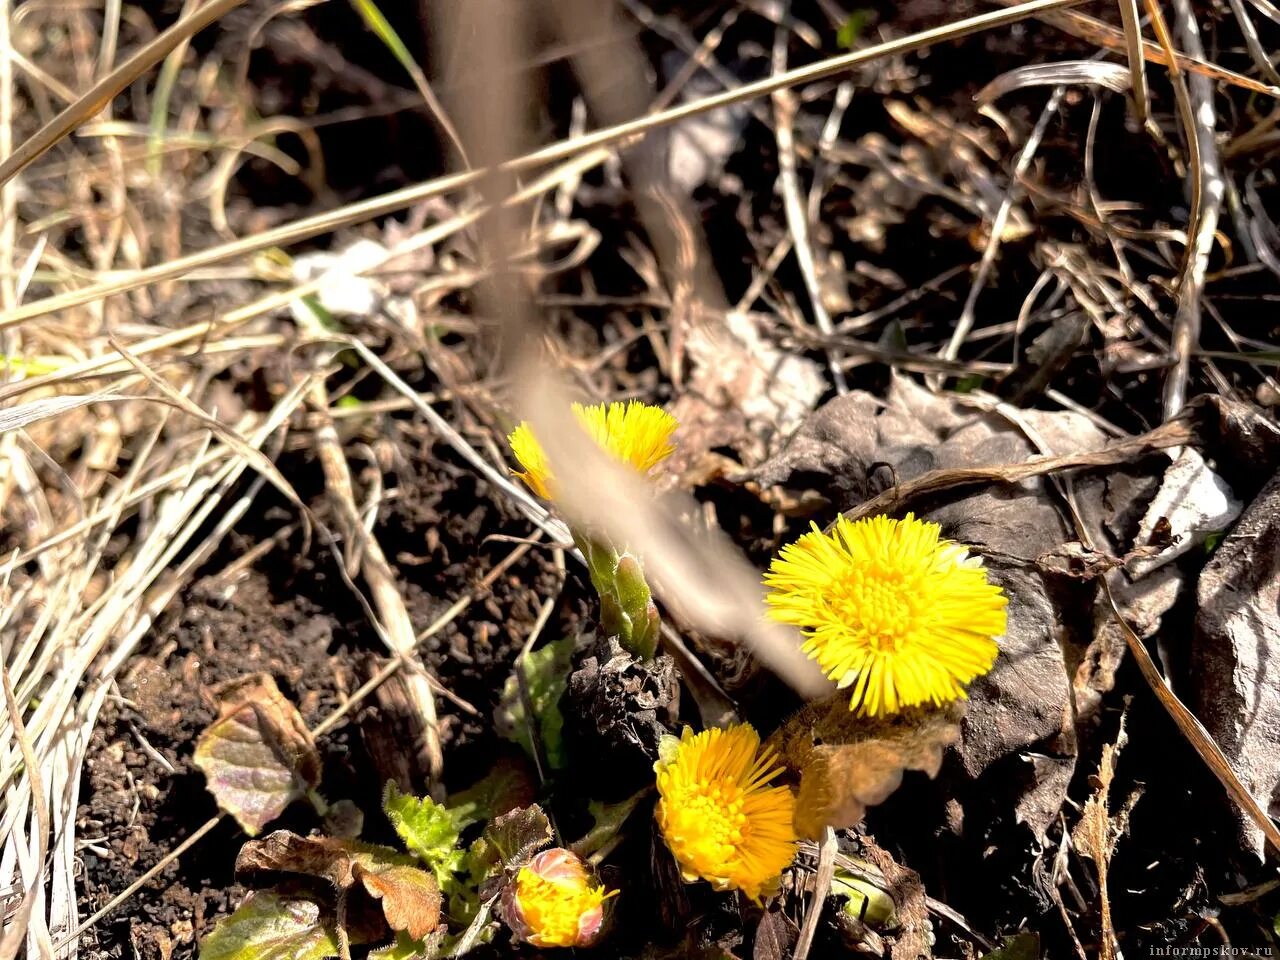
column 258, row 756
column 338, row 861
column 507, row 842
column 504, row 788
column 406, row 948
column 428, row 830
column 269, row 926
column 546, row 671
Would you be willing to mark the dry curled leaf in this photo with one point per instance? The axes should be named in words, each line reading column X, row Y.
column 409, row 896
column 334, row 860
column 258, row 756
column 848, row 763
column 1237, row 640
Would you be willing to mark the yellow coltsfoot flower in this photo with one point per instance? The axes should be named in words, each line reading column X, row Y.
column 633, row 432
column 556, row 902
column 717, row 813
column 890, row 609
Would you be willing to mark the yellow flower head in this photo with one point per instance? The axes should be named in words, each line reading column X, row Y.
column 555, row 902
column 889, row 608
column 631, row 431
column 718, row 817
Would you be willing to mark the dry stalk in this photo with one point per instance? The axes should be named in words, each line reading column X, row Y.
column 387, row 599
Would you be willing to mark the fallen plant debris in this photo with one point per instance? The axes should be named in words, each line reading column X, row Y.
column 258, row 757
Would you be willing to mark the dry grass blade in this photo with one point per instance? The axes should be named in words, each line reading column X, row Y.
column 11, row 940
column 1131, row 23
column 24, row 415
column 967, row 314
column 401, row 199
column 1104, row 35
column 1110, row 76
column 784, row 114
column 1195, row 101
column 1194, row 730
column 821, row 887
column 101, row 93
column 376, row 21
column 381, row 579
column 1252, row 41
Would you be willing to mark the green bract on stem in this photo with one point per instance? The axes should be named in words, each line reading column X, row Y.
column 627, row 610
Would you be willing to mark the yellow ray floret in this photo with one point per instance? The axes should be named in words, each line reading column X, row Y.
column 632, row 432
column 890, row 609
column 717, row 813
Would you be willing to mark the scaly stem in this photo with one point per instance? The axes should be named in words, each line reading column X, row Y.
column 627, row 610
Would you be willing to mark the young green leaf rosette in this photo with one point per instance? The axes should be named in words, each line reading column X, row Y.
column 638, row 435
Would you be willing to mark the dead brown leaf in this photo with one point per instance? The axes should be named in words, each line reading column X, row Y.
column 410, row 898
column 848, row 763
column 408, row 895
column 258, row 756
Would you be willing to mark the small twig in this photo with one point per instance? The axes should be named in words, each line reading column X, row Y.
column 821, row 887
column 1175, row 433
column 1011, row 196
column 1196, row 105
column 142, row 881
column 784, row 115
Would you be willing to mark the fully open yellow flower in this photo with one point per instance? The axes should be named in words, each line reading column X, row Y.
column 889, row 608
column 633, row 432
column 717, row 814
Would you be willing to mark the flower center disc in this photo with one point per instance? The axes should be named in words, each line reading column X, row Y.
column 881, row 605
column 713, row 820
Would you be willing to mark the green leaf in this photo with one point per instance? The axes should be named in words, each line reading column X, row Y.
column 852, row 28
column 504, row 788
column 428, row 830
column 546, row 671
column 609, row 818
column 268, row 926
column 406, row 948
column 1021, row 946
